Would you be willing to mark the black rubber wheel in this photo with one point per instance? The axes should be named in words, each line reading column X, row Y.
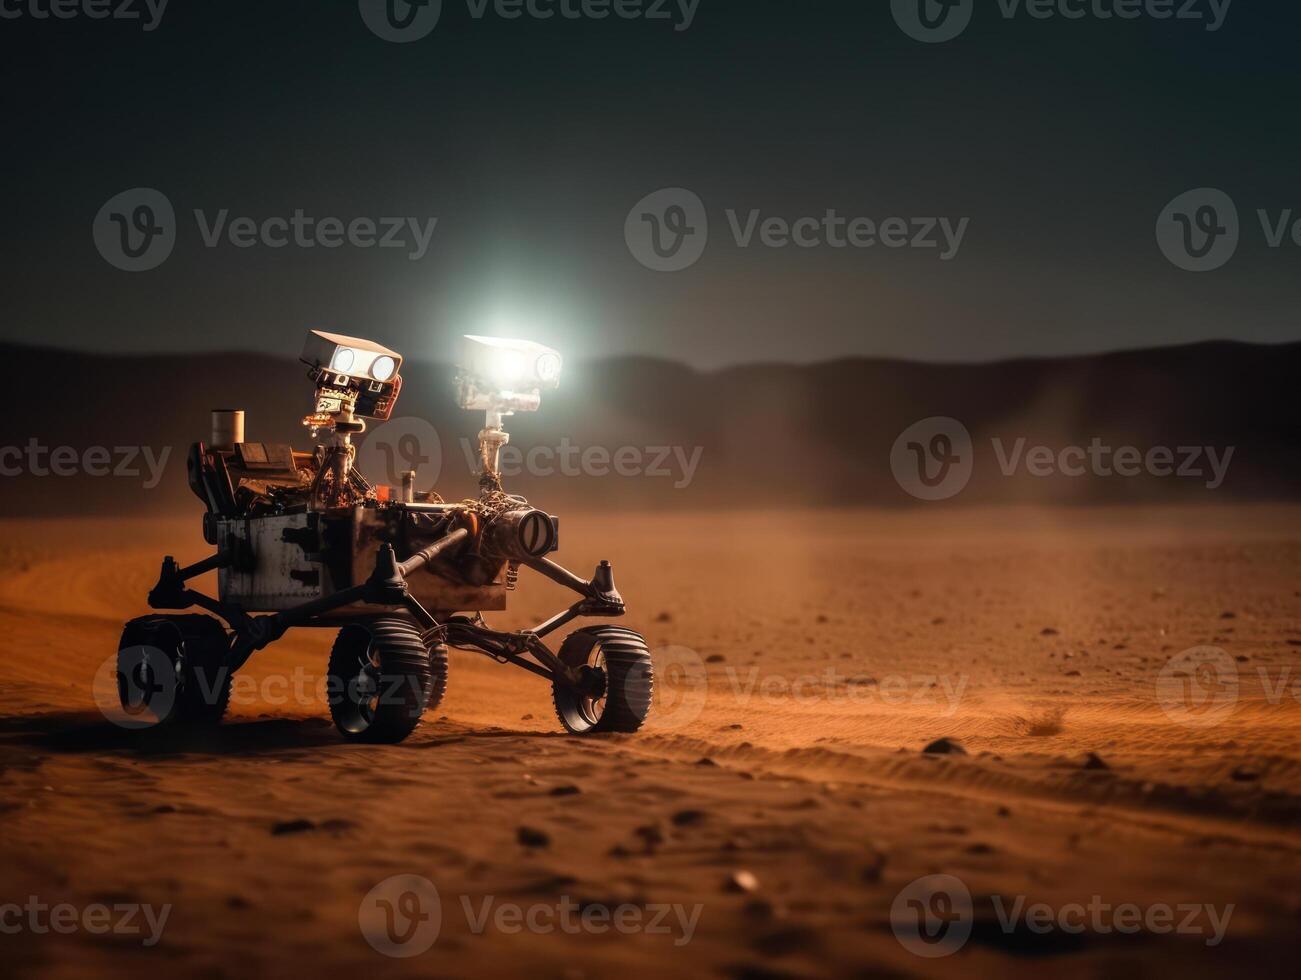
column 621, row 681
column 176, row 668
column 382, row 676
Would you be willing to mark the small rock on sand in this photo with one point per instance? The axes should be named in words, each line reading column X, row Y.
column 944, row 746
column 1094, row 761
column 532, row 837
column 292, row 827
column 741, row 881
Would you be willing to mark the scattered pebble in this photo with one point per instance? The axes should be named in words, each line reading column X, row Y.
column 532, row 837
column 651, row 836
column 1094, row 761
column 688, row 818
column 741, row 881
column 292, row 827
column 944, row 746
column 569, row 789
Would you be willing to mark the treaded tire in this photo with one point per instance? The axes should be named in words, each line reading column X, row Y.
column 195, row 647
column 381, row 677
column 629, row 681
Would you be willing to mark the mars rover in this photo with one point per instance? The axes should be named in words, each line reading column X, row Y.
column 303, row 539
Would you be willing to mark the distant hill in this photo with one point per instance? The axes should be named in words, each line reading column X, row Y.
column 817, row 435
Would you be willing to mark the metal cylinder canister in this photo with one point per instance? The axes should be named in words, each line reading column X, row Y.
column 227, row 428
column 520, row 535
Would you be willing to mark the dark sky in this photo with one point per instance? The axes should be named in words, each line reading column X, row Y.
column 1061, row 140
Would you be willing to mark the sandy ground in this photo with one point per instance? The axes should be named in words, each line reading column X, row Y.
column 804, row 662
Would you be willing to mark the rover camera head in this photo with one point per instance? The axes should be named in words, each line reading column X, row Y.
column 349, row 368
column 506, row 376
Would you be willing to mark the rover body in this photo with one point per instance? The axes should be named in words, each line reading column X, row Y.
column 303, row 539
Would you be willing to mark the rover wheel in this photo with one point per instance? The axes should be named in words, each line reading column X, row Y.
column 619, row 681
column 381, row 678
column 175, row 669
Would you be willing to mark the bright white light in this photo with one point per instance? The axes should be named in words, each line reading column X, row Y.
column 507, row 366
column 343, row 359
column 383, row 368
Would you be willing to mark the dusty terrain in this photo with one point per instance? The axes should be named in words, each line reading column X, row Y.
column 805, row 661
